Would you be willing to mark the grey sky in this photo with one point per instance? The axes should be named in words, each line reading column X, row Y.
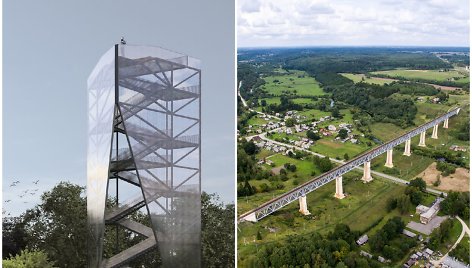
column 50, row 48
column 353, row 23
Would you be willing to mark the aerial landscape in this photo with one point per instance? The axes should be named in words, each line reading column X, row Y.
column 353, row 156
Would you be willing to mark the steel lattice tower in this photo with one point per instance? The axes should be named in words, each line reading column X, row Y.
column 144, row 150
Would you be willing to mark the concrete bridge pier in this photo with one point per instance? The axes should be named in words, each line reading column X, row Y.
column 407, row 147
column 339, row 188
column 303, row 207
column 367, row 177
column 422, row 139
column 389, row 162
column 435, row 132
column 446, row 123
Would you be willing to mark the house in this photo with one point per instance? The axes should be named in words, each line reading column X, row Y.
column 426, row 217
column 366, row 254
column 409, row 263
column 427, row 252
column 457, row 148
column 408, row 233
column 362, row 240
column 421, row 209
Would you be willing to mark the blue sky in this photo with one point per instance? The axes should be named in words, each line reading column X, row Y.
column 353, row 23
column 50, row 48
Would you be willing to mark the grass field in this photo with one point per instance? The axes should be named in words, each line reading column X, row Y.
column 256, row 120
column 356, row 78
column 364, row 205
column 433, row 75
column 337, row 149
column 296, row 82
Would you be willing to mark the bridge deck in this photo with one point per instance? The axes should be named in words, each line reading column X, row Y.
column 307, row 187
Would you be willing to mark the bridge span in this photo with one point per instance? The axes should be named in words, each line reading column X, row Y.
column 299, row 193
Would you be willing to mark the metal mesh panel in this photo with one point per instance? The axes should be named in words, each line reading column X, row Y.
column 159, row 100
column 101, row 103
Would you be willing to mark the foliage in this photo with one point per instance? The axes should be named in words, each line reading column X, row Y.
column 57, row 228
column 28, row 259
column 312, row 135
column 419, row 183
column 445, row 168
column 375, row 100
column 441, row 234
column 342, row 133
column 462, row 251
column 456, row 204
column 337, row 249
column 290, row 122
column 414, row 194
column 217, row 232
column 387, row 240
column 403, row 204
column 324, row 164
column 249, row 147
column 14, row 236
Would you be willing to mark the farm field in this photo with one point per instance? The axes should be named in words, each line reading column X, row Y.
column 433, row 75
column 356, row 78
column 296, row 82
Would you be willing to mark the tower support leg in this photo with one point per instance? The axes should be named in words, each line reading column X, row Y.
column 303, row 207
column 422, row 139
column 367, row 177
column 435, row 132
column 407, row 147
column 389, row 162
column 446, row 123
column 339, row 188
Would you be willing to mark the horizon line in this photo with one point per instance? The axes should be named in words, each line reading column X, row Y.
column 366, row 46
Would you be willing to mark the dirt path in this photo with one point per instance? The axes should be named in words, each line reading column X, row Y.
column 459, row 181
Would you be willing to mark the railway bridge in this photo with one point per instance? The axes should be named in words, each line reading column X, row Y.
column 299, row 193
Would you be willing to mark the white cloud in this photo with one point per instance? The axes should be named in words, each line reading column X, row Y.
column 346, row 22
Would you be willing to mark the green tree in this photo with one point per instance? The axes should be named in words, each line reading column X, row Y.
column 217, row 232
column 250, row 148
column 342, row 133
column 312, row 135
column 290, row 122
column 418, row 183
column 58, row 225
column 404, row 204
column 346, row 156
column 28, row 259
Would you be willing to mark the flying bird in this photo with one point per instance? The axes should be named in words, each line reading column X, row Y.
column 36, row 182
column 12, row 185
column 123, row 42
column 15, row 182
column 6, row 201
